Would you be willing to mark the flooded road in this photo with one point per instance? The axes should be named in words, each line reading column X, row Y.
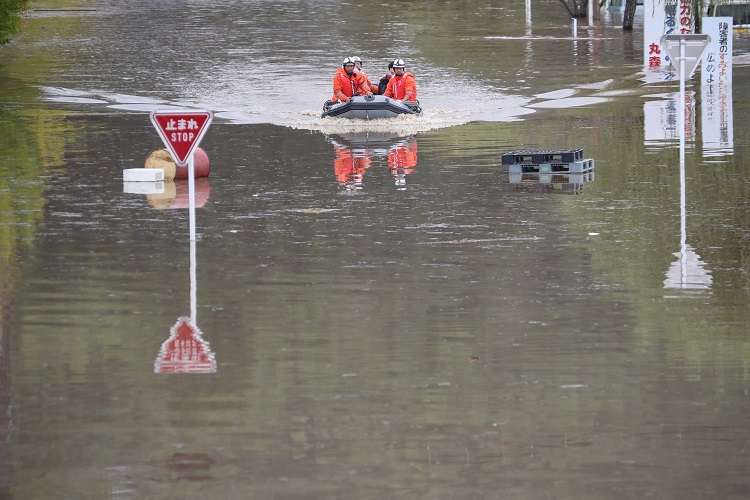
column 382, row 310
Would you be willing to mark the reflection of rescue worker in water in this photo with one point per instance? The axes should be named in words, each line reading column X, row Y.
column 402, row 158
column 351, row 161
column 347, row 83
column 350, row 167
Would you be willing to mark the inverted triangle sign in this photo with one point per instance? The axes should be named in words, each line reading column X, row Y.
column 181, row 131
column 693, row 45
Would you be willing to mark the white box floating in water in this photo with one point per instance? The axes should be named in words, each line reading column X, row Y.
column 143, row 174
column 143, row 187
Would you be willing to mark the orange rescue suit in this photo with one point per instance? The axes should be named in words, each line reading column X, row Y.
column 348, row 85
column 402, row 87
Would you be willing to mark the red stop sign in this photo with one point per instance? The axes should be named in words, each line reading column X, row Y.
column 181, row 131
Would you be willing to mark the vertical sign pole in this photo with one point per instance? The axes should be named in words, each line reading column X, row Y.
column 682, row 102
column 193, row 285
column 683, row 226
column 191, row 195
column 683, row 222
column 697, row 45
column 191, row 211
column 528, row 12
column 182, row 131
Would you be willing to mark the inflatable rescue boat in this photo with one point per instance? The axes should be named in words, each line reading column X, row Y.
column 369, row 108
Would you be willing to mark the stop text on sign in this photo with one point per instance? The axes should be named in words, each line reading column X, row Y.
column 181, row 131
column 181, row 125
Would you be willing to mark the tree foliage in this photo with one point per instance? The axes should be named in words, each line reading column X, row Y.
column 10, row 18
column 696, row 10
column 576, row 8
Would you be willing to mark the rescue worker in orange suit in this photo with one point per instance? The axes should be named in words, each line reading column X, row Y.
column 358, row 67
column 350, row 167
column 402, row 158
column 347, row 83
column 402, row 85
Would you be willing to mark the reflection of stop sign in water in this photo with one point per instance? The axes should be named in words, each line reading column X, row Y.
column 185, row 351
column 176, row 194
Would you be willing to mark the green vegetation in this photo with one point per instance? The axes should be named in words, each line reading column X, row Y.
column 10, row 18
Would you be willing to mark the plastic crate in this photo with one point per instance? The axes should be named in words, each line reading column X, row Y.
column 575, row 167
column 542, row 157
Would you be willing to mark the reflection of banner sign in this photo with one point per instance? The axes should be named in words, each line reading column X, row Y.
column 716, row 88
column 661, row 121
column 185, row 351
column 663, row 17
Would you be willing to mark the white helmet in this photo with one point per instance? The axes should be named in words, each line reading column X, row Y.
column 356, row 59
column 348, row 60
column 399, row 63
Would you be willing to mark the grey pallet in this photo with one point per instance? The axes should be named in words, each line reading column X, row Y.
column 543, row 157
column 576, row 167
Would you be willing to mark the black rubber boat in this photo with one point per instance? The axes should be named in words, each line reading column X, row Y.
column 370, row 108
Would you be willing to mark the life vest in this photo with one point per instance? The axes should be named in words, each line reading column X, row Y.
column 349, row 85
column 399, row 84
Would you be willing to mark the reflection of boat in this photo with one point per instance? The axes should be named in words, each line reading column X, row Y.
column 368, row 108
column 356, row 151
column 369, row 143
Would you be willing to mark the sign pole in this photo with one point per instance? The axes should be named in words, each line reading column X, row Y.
column 191, row 195
column 193, row 285
column 182, row 131
column 690, row 48
column 683, row 226
column 683, row 221
column 682, row 103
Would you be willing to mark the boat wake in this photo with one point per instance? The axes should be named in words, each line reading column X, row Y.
column 306, row 119
column 473, row 104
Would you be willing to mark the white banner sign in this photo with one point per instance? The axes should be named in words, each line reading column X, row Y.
column 716, row 88
column 663, row 17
